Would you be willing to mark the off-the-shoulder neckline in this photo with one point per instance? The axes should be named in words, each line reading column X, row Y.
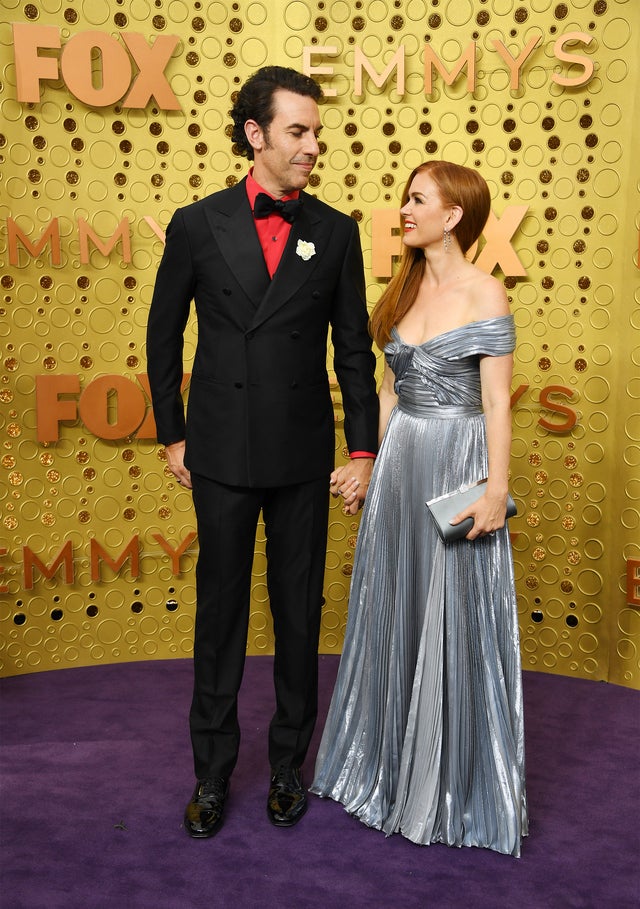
column 450, row 331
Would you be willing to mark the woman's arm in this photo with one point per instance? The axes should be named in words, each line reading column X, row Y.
column 489, row 512
column 387, row 398
column 496, row 373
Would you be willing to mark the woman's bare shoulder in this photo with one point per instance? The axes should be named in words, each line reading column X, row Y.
column 489, row 296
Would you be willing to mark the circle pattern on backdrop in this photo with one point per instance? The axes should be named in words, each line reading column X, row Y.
column 100, row 541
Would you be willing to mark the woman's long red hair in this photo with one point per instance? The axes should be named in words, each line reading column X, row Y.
column 457, row 185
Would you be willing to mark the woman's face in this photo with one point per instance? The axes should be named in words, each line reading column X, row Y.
column 424, row 214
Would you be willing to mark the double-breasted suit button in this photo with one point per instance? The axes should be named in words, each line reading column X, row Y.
column 250, row 335
column 226, row 291
column 238, row 384
column 294, row 384
column 316, row 295
column 294, row 335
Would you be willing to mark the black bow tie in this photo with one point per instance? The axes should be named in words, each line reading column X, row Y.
column 265, row 206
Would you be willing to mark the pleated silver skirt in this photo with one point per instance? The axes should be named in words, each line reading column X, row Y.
column 425, row 734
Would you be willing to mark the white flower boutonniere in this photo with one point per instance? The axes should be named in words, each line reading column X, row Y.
column 305, row 250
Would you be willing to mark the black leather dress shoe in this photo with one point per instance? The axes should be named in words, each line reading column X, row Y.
column 287, row 800
column 205, row 812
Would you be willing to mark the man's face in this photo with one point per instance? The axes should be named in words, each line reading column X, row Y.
column 286, row 152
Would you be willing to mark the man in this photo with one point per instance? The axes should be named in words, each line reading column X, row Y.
column 268, row 283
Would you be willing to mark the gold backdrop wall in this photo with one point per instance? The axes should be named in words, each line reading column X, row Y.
column 114, row 114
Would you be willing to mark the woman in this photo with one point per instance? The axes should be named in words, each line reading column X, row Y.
column 425, row 731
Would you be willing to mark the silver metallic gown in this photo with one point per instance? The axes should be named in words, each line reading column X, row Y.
column 425, row 730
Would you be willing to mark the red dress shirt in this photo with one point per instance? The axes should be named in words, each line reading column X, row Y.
column 273, row 231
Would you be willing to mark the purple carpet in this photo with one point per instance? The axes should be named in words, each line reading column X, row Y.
column 96, row 769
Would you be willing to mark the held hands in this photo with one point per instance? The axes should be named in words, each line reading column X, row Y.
column 351, row 481
column 175, row 463
column 489, row 514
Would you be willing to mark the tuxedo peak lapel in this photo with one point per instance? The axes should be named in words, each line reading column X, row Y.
column 294, row 269
column 231, row 221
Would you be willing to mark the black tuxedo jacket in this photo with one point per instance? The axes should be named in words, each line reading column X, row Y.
column 259, row 411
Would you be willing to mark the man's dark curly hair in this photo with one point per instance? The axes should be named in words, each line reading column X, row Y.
column 255, row 100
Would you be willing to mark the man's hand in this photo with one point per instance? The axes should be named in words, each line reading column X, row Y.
column 175, row 463
column 351, row 481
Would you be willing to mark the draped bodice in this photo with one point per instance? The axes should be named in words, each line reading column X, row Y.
column 444, row 372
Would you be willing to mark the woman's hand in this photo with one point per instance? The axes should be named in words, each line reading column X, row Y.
column 351, row 481
column 489, row 513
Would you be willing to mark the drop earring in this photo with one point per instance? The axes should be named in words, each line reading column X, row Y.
column 446, row 240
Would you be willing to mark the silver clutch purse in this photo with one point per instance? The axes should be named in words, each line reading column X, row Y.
column 445, row 507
